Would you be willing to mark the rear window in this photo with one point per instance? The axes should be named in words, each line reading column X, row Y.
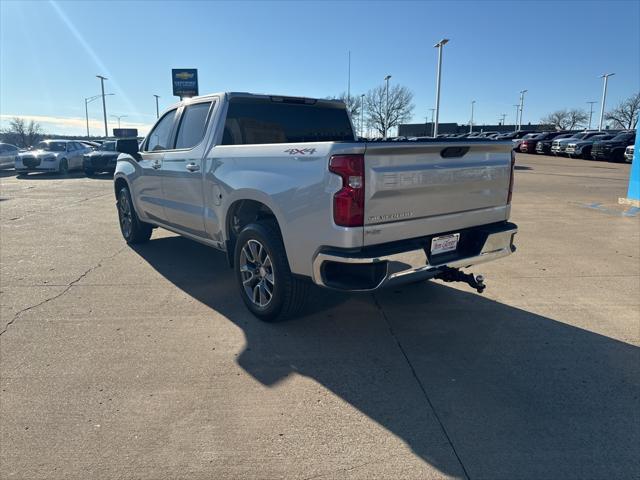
column 193, row 125
column 254, row 121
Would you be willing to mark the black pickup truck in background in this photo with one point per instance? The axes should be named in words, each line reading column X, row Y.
column 613, row 150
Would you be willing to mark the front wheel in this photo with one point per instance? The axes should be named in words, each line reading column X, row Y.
column 266, row 284
column 133, row 230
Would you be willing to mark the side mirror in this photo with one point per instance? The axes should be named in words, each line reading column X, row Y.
column 128, row 146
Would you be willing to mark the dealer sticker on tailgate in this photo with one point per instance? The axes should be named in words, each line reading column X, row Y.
column 443, row 244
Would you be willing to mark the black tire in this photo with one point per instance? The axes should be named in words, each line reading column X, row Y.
column 63, row 168
column 132, row 228
column 288, row 293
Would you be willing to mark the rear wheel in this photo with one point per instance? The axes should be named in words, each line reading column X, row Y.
column 266, row 284
column 133, row 230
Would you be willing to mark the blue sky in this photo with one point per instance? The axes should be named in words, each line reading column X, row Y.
column 51, row 51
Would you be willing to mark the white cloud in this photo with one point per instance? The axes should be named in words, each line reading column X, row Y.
column 74, row 125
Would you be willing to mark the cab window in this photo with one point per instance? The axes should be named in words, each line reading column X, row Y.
column 193, row 125
column 160, row 136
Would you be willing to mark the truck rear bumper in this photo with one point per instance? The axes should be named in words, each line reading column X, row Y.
column 409, row 261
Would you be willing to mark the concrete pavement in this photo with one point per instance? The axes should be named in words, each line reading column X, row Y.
column 144, row 363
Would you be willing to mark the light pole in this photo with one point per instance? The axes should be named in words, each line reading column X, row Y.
column 157, row 109
column 118, row 117
column 521, row 107
column 590, row 113
column 87, row 101
column 515, row 123
column 362, row 114
column 104, row 105
column 433, row 110
column 386, row 113
column 473, row 102
column 604, row 97
column 504, row 115
column 439, row 46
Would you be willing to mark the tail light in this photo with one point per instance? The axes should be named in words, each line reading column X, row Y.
column 348, row 203
column 513, row 165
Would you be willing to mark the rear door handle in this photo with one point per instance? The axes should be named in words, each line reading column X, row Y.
column 192, row 167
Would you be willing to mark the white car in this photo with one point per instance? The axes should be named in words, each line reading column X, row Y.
column 59, row 156
column 628, row 153
column 8, row 155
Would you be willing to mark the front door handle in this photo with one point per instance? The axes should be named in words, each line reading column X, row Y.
column 192, row 167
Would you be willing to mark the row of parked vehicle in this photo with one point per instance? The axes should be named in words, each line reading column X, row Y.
column 61, row 156
column 613, row 146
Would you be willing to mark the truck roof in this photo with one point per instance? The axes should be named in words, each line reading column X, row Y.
column 273, row 97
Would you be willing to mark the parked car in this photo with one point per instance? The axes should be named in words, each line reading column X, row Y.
column 613, row 150
column 558, row 146
column 529, row 143
column 278, row 183
column 90, row 144
column 543, row 147
column 582, row 148
column 52, row 156
column 516, row 135
column 518, row 141
column 628, row 153
column 8, row 155
column 102, row 158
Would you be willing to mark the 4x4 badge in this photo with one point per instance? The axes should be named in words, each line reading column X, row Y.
column 301, row 151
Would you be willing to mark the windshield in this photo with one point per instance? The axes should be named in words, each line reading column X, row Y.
column 52, row 146
column 580, row 136
column 107, row 147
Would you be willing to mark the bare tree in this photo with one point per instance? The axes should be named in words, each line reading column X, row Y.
column 22, row 134
column 577, row 118
column 399, row 110
column 625, row 115
column 352, row 103
column 558, row 119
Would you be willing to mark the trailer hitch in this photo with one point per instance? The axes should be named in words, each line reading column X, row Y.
column 449, row 274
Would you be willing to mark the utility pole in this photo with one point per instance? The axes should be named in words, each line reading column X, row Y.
column 473, row 102
column 504, row 115
column 590, row 113
column 433, row 110
column 386, row 114
column 349, row 83
column 104, row 105
column 87, row 101
column 515, row 124
column 604, row 97
column 521, row 108
column 157, row 109
column 439, row 46
column 362, row 114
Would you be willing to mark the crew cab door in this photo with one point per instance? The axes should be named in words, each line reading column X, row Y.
column 148, row 195
column 182, row 181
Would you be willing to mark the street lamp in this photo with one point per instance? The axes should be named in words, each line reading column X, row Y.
column 439, row 46
column 86, row 109
column 515, row 123
column 590, row 113
column 604, row 97
column 362, row 115
column 104, row 105
column 118, row 117
column 157, row 109
column 522, row 92
column 504, row 115
column 386, row 115
column 473, row 102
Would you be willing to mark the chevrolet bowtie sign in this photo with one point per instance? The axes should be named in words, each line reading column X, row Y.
column 185, row 82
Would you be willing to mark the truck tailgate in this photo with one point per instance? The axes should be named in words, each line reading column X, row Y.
column 426, row 188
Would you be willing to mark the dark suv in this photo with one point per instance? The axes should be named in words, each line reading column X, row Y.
column 613, row 150
column 543, row 147
column 530, row 145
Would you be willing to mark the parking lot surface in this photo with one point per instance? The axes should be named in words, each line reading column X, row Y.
column 143, row 362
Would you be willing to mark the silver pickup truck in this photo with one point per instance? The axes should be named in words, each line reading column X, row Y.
column 284, row 187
